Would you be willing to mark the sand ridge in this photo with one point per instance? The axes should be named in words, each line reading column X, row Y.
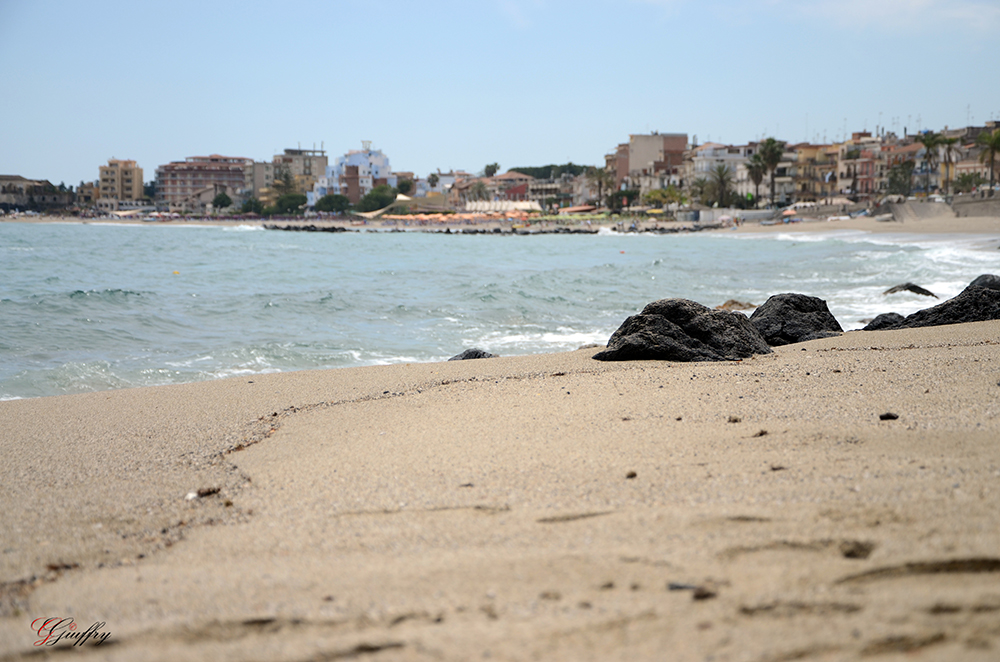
column 547, row 506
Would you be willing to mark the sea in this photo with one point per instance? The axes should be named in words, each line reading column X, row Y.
column 92, row 306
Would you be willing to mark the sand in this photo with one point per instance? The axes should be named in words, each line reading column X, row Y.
column 538, row 507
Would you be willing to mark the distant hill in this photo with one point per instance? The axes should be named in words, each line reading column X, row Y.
column 552, row 171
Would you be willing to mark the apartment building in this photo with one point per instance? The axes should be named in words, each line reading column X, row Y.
column 120, row 180
column 180, row 182
column 305, row 165
column 354, row 175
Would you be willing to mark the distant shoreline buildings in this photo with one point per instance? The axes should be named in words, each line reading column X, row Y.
column 860, row 168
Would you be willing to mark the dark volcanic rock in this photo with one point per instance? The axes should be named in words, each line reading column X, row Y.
column 989, row 281
column 974, row 304
column 910, row 287
column 790, row 318
column 473, row 353
column 884, row 321
column 682, row 330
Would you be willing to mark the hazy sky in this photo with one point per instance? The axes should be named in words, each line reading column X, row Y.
column 465, row 83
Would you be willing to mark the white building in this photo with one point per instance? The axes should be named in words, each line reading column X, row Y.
column 354, row 175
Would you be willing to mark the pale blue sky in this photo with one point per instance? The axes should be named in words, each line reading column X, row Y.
column 461, row 84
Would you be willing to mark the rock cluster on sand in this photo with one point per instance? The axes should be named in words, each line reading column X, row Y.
column 790, row 318
column 979, row 302
column 473, row 353
column 682, row 330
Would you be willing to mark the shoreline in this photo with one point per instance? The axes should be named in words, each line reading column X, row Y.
column 936, row 225
column 534, row 506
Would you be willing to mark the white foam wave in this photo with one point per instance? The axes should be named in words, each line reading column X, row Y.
column 243, row 228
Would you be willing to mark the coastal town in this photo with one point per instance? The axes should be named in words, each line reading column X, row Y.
column 665, row 175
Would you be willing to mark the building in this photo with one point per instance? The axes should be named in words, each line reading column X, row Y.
column 305, row 165
column 119, row 182
column 179, row 182
column 18, row 192
column 87, row 193
column 354, row 175
column 650, row 154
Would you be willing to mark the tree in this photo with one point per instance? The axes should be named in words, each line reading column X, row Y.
column 289, row 203
column 379, row 197
column 404, row 186
column 771, row 151
column 283, row 183
column 700, row 189
column 968, row 181
column 332, row 202
column 478, row 190
column 552, row 170
column 930, row 142
column 901, row 178
column 252, row 206
column 601, row 178
column 991, row 145
column 948, row 149
column 664, row 196
column 756, row 169
column 721, row 179
column 622, row 198
column 221, row 201
column 492, row 169
column 433, row 179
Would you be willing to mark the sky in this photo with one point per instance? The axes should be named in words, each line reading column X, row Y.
column 460, row 84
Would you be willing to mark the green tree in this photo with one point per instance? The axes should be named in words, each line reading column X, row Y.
column 618, row 199
column 332, row 202
column 701, row 190
column 478, row 191
column 968, row 181
column 552, row 170
column 492, row 169
column 722, row 180
column 289, row 203
column 756, row 169
column 283, row 183
column 990, row 142
column 664, row 196
column 221, row 201
column 771, row 151
column 433, row 179
column 404, row 186
column 252, row 206
column 601, row 178
column 949, row 150
column 379, row 197
column 930, row 141
column 901, row 178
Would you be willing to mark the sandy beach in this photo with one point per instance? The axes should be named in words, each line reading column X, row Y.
column 941, row 224
column 537, row 507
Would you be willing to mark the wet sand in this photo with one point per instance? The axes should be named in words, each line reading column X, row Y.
column 537, row 507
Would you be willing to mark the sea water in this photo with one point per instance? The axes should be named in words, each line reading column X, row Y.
column 87, row 307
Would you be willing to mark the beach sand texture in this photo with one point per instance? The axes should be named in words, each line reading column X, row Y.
column 546, row 507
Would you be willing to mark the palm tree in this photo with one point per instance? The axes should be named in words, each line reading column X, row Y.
column 601, row 178
column 771, row 151
column 755, row 169
column 948, row 148
column 478, row 191
column 700, row 189
column 930, row 141
column 721, row 180
column 991, row 145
